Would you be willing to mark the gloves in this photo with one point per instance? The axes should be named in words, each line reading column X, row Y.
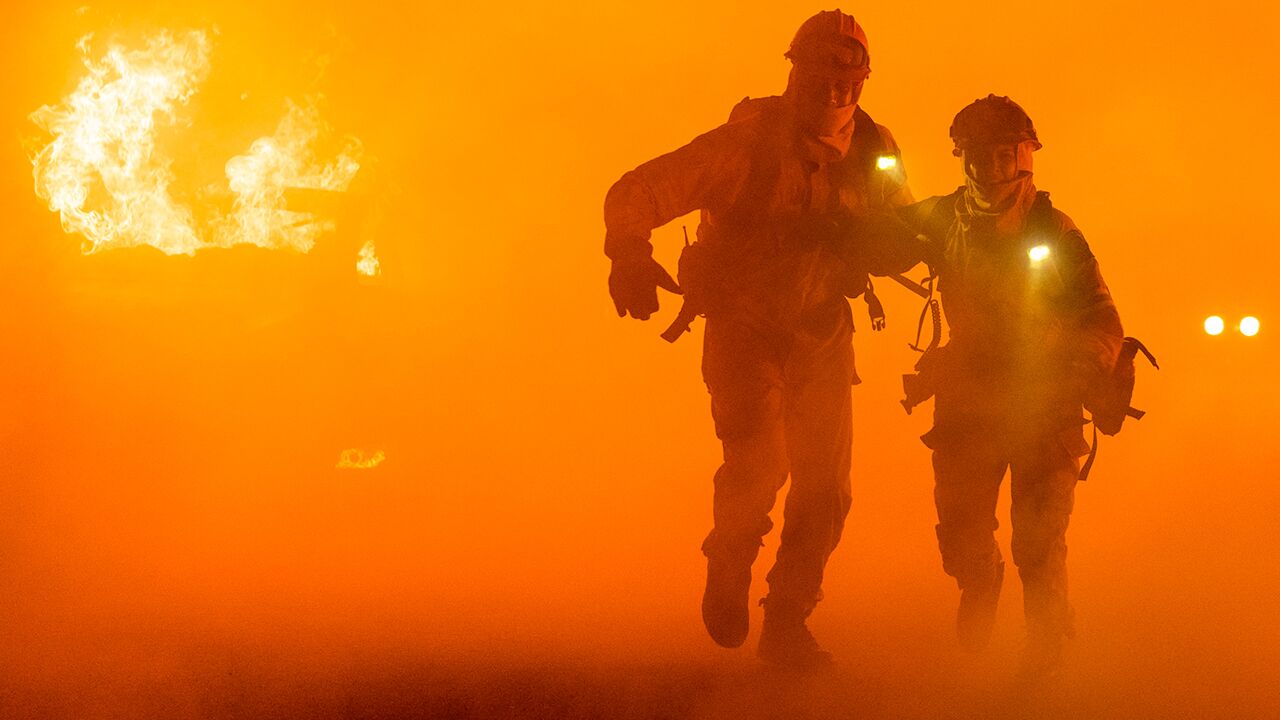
column 634, row 283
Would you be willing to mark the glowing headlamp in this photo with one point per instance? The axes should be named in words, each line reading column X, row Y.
column 886, row 162
column 1038, row 253
column 1249, row 326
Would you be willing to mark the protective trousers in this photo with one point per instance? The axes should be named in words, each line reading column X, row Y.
column 967, row 475
column 782, row 406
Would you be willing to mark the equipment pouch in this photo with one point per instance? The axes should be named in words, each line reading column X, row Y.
column 930, row 374
column 694, row 275
column 1109, row 404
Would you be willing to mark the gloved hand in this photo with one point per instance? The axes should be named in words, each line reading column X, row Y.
column 634, row 283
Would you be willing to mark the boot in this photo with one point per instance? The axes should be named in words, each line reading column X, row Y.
column 785, row 641
column 977, row 614
column 1050, row 623
column 1042, row 654
column 725, row 600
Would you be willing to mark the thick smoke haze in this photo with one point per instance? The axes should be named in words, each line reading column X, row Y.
column 176, row 541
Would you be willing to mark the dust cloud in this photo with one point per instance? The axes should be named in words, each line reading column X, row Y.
column 177, row 541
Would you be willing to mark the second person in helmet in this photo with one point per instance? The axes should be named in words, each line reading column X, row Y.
column 1032, row 329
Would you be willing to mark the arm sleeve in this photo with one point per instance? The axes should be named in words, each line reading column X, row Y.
column 697, row 176
column 883, row 241
column 899, row 239
column 888, row 244
column 1094, row 330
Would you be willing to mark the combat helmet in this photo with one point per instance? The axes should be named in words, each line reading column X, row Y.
column 993, row 120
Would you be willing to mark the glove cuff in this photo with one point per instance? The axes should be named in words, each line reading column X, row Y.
column 627, row 249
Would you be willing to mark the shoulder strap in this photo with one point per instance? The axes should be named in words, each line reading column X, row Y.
column 1040, row 219
column 866, row 135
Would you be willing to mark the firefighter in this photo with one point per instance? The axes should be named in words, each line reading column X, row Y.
column 1033, row 331
column 771, row 184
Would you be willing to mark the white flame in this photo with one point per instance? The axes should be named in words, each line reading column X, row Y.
column 368, row 263
column 101, row 171
column 104, row 174
column 285, row 159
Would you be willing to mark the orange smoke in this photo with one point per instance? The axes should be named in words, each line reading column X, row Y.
column 176, row 541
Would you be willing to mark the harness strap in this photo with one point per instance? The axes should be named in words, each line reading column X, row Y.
column 874, row 308
column 1143, row 348
column 1093, row 455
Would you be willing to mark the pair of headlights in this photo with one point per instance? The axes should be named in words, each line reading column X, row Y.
column 1215, row 325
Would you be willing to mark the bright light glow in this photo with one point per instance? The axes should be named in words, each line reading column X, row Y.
column 356, row 460
column 1249, row 326
column 886, row 162
column 1038, row 253
column 1214, row 325
column 106, row 171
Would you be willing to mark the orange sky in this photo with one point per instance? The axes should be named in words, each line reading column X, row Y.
column 168, row 426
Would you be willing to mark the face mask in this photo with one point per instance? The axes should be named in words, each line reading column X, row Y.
column 826, row 128
column 1000, row 208
column 834, row 128
column 996, row 197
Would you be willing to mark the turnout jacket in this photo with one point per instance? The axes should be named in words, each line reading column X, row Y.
column 1032, row 324
column 767, row 208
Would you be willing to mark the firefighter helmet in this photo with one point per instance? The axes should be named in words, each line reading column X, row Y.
column 833, row 39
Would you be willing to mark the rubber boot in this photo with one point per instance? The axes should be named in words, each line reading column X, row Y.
column 785, row 640
column 977, row 613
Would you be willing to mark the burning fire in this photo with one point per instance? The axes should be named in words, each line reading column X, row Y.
column 286, row 159
column 368, row 263
column 110, row 181
column 101, row 172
